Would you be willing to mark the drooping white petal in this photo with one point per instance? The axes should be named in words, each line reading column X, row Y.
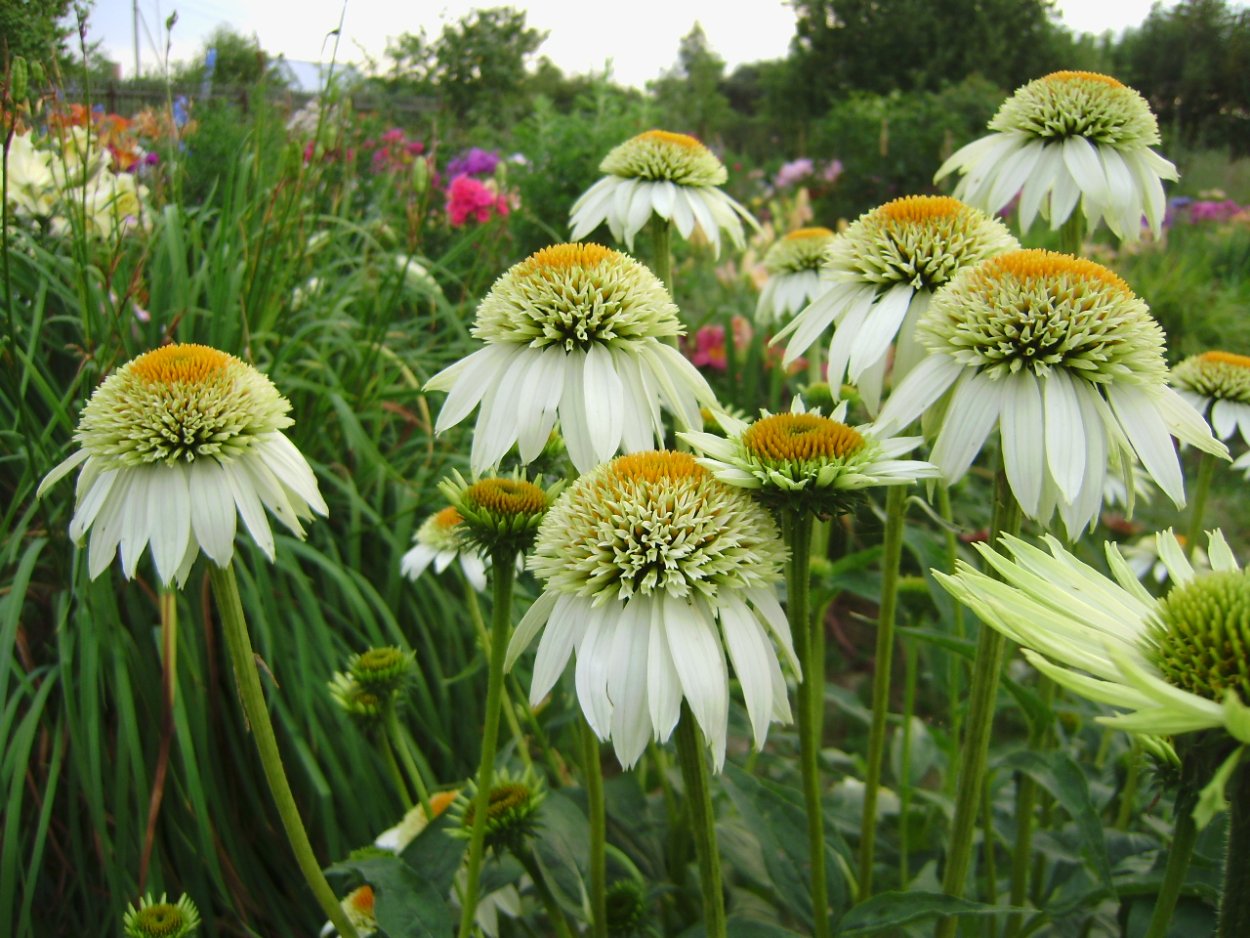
column 594, row 658
column 663, row 682
column 1148, row 434
column 974, row 408
column 567, row 626
column 749, row 653
column 1022, row 431
column 530, row 625
column 604, row 402
column 627, row 683
column 213, row 514
column 700, row 664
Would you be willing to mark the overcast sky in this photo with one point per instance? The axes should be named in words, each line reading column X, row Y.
column 639, row 38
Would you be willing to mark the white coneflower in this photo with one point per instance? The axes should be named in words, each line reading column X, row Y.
column 174, row 444
column 576, row 331
column 1177, row 664
column 1065, row 138
column 641, row 559
column 793, row 265
column 803, row 458
column 670, row 175
column 1220, row 382
column 878, row 279
column 1061, row 355
column 436, row 542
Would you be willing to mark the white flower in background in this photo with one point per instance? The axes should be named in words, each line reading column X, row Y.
column 670, row 175
column 175, row 444
column 576, row 331
column 32, row 188
column 110, row 205
column 1165, row 661
column 1066, row 361
column 435, row 542
column 805, row 458
column 1144, row 559
column 793, row 266
column 1065, row 138
column 653, row 570
column 877, row 282
column 1218, row 382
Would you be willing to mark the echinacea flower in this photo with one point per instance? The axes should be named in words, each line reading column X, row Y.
column 1065, row 138
column 641, row 560
column 877, row 281
column 793, row 265
column 1067, row 362
column 1219, row 381
column 576, row 331
column 803, row 458
column 160, row 918
column 436, row 543
column 175, row 444
column 511, row 810
column 670, row 175
column 1176, row 664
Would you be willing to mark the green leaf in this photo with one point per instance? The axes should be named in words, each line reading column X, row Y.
column 406, row 903
column 1059, row 774
column 894, row 909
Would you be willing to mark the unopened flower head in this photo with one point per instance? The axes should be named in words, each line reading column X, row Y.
column 1065, row 138
column 160, row 918
column 498, row 512
column 578, row 332
column 878, row 279
column 793, row 265
column 511, row 813
column 805, row 460
column 174, row 445
column 436, row 542
column 382, row 670
column 628, row 910
column 1176, row 664
column 1219, row 381
column 367, row 706
column 670, row 175
column 640, row 559
column 1061, row 355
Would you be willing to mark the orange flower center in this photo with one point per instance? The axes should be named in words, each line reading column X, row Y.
column 448, row 518
column 918, row 209
column 800, row 437
column 179, row 364
column 1050, row 265
column 801, row 233
column 1083, row 76
column 1225, row 358
column 562, row 257
column 507, row 496
column 656, row 466
column 665, row 136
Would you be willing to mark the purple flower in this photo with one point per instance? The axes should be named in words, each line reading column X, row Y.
column 793, row 172
column 473, row 162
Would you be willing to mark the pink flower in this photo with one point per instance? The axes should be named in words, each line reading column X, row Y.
column 468, row 197
column 709, row 344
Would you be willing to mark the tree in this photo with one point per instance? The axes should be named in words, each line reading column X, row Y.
column 35, row 30
column 689, row 96
column 911, row 45
column 479, row 66
column 1191, row 62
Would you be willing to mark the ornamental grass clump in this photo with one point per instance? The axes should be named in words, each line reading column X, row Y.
column 1069, row 137
column 877, row 281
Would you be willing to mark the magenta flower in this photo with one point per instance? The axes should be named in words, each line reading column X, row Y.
column 471, row 198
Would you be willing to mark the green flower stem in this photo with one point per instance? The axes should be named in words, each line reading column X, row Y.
column 398, row 742
column 509, row 712
column 662, row 251
column 169, row 685
column 1198, row 504
column 1235, row 902
column 503, row 572
column 598, row 831
column 243, row 661
column 954, row 664
column 392, row 766
column 692, row 753
column 1184, row 836
column 974, row 753
column 1128, row 794
column 910, row 659
column 797, row 530
column 530, row 864
column 1026, row 802
column 891, row 558
column 1072, row 234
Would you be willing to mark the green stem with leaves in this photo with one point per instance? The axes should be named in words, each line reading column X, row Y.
column 982, row 696
column 797, row 529
column 597, row 811
column 247, row 676
column 503, row 573
column 692, row 753
column 891, row 558
column 1184, row 836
